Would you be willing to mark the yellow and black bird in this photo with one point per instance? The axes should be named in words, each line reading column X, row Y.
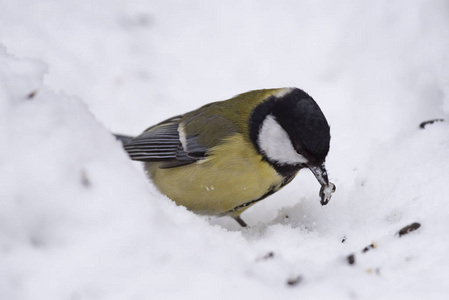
column 226, row 156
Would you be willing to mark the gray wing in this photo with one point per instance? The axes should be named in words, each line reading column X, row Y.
column 162, row 142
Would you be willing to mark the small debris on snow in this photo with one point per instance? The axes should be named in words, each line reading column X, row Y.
column 371, row 271
column 292, row 281
column 32, row 94
column 351, row 259
column 424, row 124
column 409, row 228
column 369, row 247
column 267, row 256
column 85, row 181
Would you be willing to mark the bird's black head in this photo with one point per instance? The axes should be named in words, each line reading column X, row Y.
column 300, row 116
column 290, row 129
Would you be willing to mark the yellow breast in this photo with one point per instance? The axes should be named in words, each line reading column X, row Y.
column 232, row 174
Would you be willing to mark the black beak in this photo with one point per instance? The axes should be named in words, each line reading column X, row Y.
column 327, row 188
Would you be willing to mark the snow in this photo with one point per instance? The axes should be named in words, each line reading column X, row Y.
column 79, row 220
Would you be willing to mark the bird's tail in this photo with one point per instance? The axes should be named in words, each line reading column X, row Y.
column 125, row 139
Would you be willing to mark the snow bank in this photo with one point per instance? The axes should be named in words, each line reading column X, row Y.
column 78, row 220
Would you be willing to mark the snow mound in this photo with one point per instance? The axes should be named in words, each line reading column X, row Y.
column 78, row 220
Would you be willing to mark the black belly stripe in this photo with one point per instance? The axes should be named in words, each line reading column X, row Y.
column 271, row 191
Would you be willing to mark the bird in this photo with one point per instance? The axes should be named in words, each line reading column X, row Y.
column 226, row 156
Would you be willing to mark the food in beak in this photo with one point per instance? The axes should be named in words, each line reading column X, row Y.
column 327, row 188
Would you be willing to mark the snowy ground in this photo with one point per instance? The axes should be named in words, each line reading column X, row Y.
column 78, row 220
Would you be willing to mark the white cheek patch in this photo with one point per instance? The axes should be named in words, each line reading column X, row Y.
column 276, row 145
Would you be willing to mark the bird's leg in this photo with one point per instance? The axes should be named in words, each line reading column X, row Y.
column 240, row 221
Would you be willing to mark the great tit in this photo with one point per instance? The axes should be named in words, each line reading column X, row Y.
column 226, row 156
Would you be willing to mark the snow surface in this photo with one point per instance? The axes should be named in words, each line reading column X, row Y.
column 78, row 220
